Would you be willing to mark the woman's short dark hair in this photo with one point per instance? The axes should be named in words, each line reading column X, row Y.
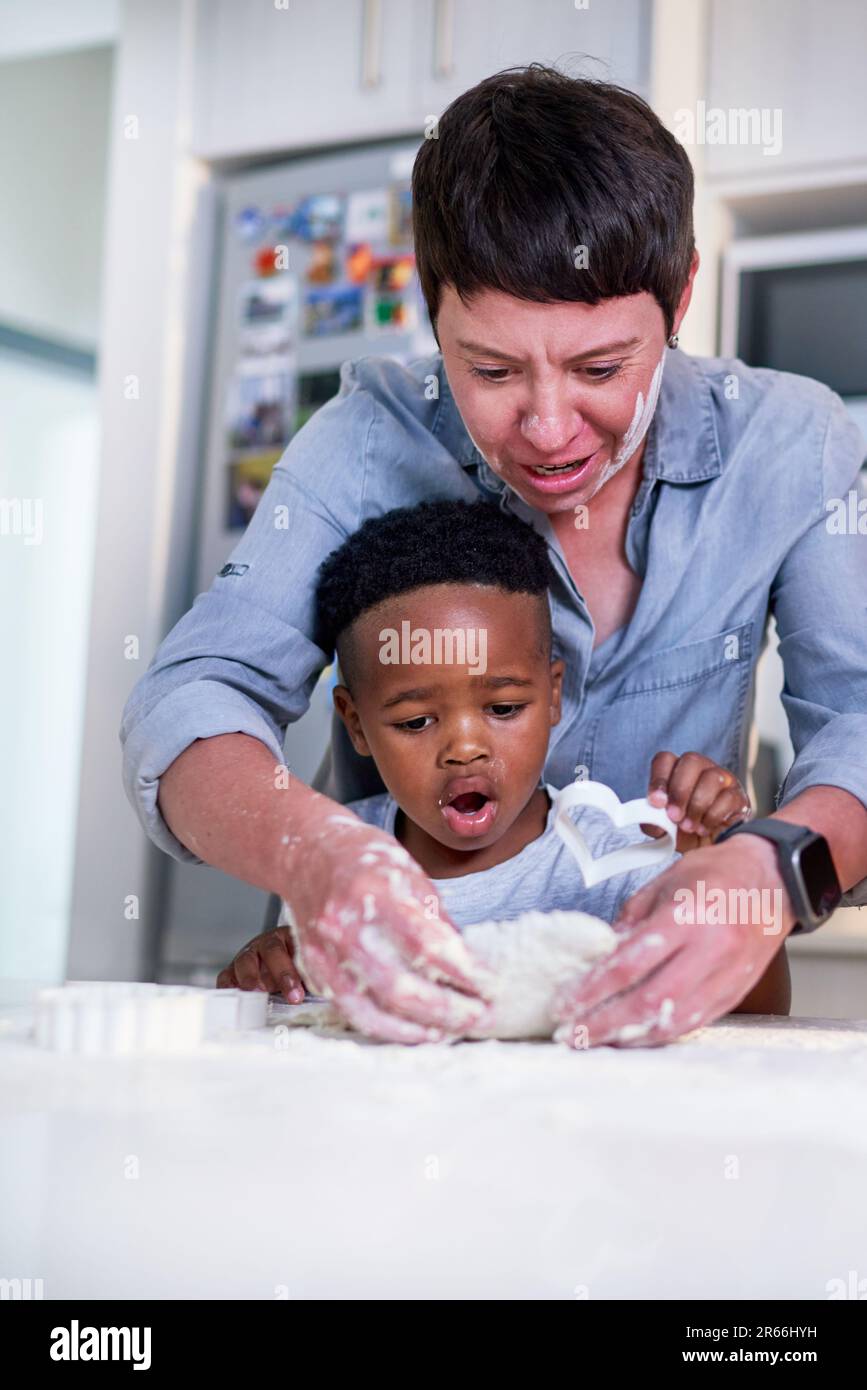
column 531, row 165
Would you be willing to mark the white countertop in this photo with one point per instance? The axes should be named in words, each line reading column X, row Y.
column 283, row 1163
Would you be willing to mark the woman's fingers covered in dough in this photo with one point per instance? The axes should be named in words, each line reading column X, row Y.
column 434, row 949
column 356, row 1008
column 366, row 1017
column 633, row 961
column 668, row 1006
column 379, row 971
column 407, row 993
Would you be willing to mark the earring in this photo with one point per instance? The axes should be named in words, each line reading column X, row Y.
column 673, row 340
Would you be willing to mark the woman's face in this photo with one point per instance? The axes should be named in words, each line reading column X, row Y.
column 543, row 386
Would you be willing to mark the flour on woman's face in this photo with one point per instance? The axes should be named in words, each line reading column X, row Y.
column 631, row 441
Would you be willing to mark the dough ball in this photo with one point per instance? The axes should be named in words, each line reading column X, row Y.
column 532, row 957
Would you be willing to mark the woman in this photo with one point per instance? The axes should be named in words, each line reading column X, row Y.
column 682, row 500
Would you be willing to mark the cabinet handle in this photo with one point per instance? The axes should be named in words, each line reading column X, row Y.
column 371, row 43
column 444, row 38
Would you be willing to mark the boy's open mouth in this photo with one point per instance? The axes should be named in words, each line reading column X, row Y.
column 468, row 802
column 469, row 806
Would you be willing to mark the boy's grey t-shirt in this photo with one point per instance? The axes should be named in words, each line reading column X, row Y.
column 543, row 877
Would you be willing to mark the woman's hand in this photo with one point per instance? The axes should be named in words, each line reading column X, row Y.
column 701, row 797
column 370, row 935
column 694, row 942
column 266, row 962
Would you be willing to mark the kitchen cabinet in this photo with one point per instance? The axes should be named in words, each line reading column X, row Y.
column 458, row 42
column 803, row 60
column 269, row 78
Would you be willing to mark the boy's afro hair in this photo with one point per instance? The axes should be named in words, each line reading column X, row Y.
column 445, row 542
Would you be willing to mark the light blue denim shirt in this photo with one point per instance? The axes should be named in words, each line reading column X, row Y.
column 730, row 523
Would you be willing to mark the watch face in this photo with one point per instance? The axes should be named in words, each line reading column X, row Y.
column 819, row 877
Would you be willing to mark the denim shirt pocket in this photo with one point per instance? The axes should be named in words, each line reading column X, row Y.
column 682, row 699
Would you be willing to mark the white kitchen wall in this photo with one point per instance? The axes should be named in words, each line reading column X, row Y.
column 53, row 145
column 48, row 462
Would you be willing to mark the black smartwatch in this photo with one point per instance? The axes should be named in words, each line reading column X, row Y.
column 806, row 868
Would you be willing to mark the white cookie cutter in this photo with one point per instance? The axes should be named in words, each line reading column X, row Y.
column 620, row 813
column 118, row 1018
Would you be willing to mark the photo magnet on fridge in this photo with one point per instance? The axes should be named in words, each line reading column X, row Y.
column 260, row 409
column 318, row 217
column 322, row 267
column 250, row 224
column 367, row 216
column 359, row 263
column 263, row 348
column 314, row 389
column 391, row 301
column 334, row 309
column 401, row 215
column 247, row 480
column 268, row 301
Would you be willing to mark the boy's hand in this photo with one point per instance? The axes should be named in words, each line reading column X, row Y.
column 266, row 963
column 699, row 795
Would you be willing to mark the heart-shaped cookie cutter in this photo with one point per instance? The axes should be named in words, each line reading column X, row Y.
column 620, row 813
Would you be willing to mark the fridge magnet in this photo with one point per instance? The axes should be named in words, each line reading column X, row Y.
column 401, row 215
column 393, row 272
column 260, row 409
column 250, row 224
column 314, row 389
column 259, row 345
column 334, row 309
column 367, row 216
column 391, row 304
column 270, row 260
column 268, row 301
column 247, row 480
column 280, row 221
column 359, row 263
column 318, row 217
column 322, row 266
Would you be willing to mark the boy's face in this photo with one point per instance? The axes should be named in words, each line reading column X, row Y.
column 556, row 386
column 460, row 746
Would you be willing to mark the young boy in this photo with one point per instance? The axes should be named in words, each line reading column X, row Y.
column 440, row 618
